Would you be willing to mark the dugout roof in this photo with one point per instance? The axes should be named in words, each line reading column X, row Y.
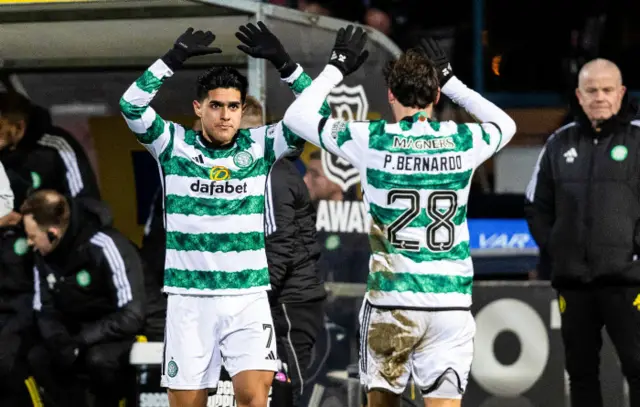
column 100, row 33
column 52, row 35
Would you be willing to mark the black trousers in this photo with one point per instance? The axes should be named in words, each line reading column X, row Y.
column 584, row 313
column 104, row 367
column 16, row 388
column 297, row 326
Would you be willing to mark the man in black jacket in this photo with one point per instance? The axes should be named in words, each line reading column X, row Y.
column 17, row 388
column 89, row 296
column 584, row 213
column 152, row 254
column 297, row 294
column 29, row 141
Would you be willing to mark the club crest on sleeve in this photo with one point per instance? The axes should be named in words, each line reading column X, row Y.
column 337, row 128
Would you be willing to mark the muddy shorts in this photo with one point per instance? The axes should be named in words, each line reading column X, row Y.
column 433, row 347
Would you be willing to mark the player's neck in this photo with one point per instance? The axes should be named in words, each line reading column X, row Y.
column 400, row 112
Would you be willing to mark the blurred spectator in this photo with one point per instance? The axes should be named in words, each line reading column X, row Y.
column 30, row 142
column 89, row 297
column 396, row 19
column 320, row 187
column 347, row 10
column 17, row 388
column 252, row 114
column 314, row 8
column 346, row 253
column 379, row 20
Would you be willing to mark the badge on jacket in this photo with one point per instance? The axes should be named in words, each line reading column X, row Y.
column 83, row 278
column 51, row 279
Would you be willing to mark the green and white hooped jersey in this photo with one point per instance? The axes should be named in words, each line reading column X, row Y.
column 415, row 176
column 214, row 198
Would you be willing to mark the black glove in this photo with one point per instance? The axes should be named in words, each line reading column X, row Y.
column 432, row 50
column 259, row 42
column 190, row 44
column 348, row 52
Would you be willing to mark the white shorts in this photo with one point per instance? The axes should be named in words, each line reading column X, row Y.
column 203, row 331
column 433, row 347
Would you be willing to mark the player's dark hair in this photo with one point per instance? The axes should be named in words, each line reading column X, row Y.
column 14, row 106
column 221, row 77
column 413, row 79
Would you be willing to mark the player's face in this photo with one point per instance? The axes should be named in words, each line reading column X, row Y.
column 37, row 237
column 600, row 94
column 220, row 114
column 319, row 186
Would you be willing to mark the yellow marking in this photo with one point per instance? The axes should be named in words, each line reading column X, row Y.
column 219, row 173
column 562, row 304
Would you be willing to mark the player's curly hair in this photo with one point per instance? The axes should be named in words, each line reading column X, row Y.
column 413, row 79
column 221, row 77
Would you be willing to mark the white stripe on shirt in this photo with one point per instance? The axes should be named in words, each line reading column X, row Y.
column 533, row 183
column 69, row 158
column 117, row 265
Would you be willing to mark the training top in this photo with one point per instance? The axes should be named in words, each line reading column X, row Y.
column 214, row 197
column 415, row 175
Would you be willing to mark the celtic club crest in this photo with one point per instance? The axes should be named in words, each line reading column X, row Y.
column 347, row 103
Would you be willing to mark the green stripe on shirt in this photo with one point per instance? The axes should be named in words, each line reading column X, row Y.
column 187, row 205
column 184, row 167
column 216, row 280
column 419, row 181
column 458, row 252
column 131, row 111
column 148, row 82
column 386, row 216
column 153, row 132
column 215, row 242
column 419, row 283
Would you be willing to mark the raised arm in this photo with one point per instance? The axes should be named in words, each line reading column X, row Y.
column 496, row 128
column 150, row 129
column 344, row 139
column 259, row 42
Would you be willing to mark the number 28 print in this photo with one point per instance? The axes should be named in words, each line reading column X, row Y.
column 438, row 219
